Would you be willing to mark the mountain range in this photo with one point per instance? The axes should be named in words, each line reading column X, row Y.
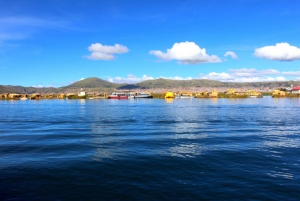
column 97, row 84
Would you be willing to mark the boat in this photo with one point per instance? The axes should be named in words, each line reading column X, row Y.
column 23, row 98
column 254, row 94
column 257, row 96
column 140, row 95
column 116, row 95
column 185, row 96
column 131, row 95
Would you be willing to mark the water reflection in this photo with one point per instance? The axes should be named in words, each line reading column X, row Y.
column 186, row 150
column 282, row 143
column 214, row 100
column 82, row 101
column 185, row 128
column 285, row 175
column 170, row 100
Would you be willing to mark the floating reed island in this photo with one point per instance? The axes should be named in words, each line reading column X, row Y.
column 230, row 93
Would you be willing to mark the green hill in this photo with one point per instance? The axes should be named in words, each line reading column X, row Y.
column 93, row 82
column 166, row 83
column 97, row 84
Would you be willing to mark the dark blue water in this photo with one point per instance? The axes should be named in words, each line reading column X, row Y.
column 201, row 149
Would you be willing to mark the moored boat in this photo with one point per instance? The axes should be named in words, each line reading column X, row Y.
column 140, row 95
column 116, row 95
column 185, row 95
column 254, row 94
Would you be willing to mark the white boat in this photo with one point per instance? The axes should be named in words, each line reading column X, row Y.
column 143, row 95
column 140, row 95
column 258, row 96
column 131, row 95
column 180, row 96
column 24, row 98
column 185, row 95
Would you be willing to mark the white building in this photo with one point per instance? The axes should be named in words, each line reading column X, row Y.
column 81, row 93
column 296, row 90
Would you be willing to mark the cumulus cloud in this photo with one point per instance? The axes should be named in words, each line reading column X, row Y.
column 130, row 79
column 218, row 76
column 246, row 75
column 233, row 75
column 291, row 73
column 225, row 77
column 49, row 85
column 232, row 54
column 258, row 79
column 186, row 53
column 38, row 86
column 252, row 72
column 105, row 52
column 280, row 52
column 176, row 78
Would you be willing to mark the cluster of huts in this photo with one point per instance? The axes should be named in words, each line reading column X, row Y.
column 37, row 96
column 286, row 92
column 34, row 96
column 207, row 94
column 214, row 94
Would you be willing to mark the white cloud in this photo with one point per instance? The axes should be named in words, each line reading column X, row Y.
column 233, row 75
column 268, row 72
column 279, row 78
column 130, row 79
column 176, row 78
column 38, row 86
column 81, row 79
column 186, row 53
column 105, row 52
column 232, row 54
column 258, row 79
column 245, row 75
column 246, row 79
column 291, row 73
column 281, row 52
column 252, row 72
column 218, row 76
column 116, row 49
column 53, row 85
column 244, row 72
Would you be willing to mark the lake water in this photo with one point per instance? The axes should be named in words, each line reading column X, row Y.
column 200, row 149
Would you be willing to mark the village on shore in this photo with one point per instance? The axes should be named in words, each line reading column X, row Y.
column 213, row 93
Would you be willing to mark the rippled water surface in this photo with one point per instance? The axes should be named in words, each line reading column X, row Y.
column 200, row 149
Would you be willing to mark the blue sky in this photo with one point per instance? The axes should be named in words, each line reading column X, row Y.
column 54, row 42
